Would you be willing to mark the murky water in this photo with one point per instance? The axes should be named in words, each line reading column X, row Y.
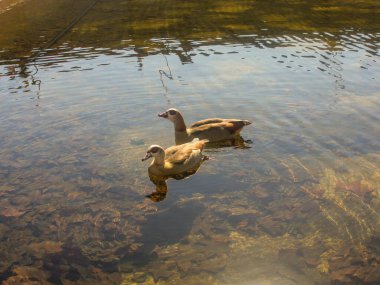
column 81, row 83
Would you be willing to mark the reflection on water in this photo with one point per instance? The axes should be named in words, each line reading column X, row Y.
column 161, row 187
column 160, row 193
column 300, row 206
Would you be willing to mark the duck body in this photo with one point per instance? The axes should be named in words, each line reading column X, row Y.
column 213, row 129
column 176, row 160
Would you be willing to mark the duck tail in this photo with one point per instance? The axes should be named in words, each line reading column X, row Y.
column 246, row 122
column 202, row 140
column 200, row 143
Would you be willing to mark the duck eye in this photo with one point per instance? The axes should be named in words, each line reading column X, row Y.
column 154, row 150
column 172, row 112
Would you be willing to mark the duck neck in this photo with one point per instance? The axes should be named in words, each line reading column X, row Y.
column 182, row 137
column 179, row 124
column 159, row 160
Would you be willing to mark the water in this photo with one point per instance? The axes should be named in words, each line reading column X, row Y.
column 78, row 112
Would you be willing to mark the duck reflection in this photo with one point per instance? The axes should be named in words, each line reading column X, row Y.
column 236, row 142
column 178, row 162
column 161, row 191
column 162, row 186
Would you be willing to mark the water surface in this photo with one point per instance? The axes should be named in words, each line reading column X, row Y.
column 81, row 83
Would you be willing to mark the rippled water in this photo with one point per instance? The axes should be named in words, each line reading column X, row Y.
column 81, row 83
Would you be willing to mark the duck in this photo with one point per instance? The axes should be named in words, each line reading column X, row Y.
column 213, row 129
column 183, row 159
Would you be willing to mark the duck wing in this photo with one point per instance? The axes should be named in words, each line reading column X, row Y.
column 176, row 149
column 181, row 153
column 207, row 121
column 172, row 150
column 180, row 156
column 231, row 126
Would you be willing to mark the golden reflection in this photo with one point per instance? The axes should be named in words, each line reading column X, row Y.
column 236, row 142
column 141, row 22
column 162, row 186
column 161, row 191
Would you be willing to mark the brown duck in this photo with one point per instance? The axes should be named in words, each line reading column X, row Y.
column 213, row 129
column 175, row 160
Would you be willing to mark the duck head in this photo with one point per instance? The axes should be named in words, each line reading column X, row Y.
column 154, row 151
column 170, row 114
column 175, row 117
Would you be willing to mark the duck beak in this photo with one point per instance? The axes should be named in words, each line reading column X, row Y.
column 148, row 155
column 163, row 115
